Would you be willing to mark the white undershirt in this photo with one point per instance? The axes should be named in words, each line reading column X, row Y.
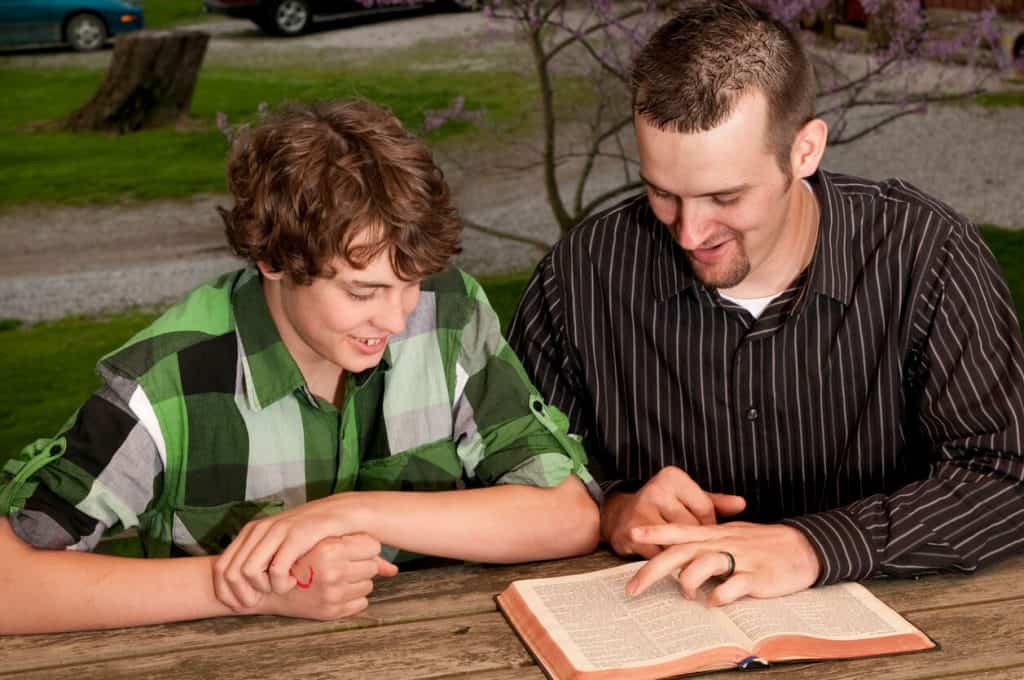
column 753, row 305
column 756, row 306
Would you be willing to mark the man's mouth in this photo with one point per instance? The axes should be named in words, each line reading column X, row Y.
column 711, row 254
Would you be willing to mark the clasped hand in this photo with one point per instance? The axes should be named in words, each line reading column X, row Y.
column 310, row 561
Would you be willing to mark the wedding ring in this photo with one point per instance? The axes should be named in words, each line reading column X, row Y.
column 732, row 564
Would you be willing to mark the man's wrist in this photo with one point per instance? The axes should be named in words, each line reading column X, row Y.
column 610, row 512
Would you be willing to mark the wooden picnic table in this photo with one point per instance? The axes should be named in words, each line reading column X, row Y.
column 443, row 622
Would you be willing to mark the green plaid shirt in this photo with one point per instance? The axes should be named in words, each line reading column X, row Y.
column 205, row 423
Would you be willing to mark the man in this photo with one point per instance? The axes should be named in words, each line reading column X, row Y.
column 288, row 416
column 836, row 358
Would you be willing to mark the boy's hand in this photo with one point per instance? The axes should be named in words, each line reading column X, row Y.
column 334, row 580
column 262, row 559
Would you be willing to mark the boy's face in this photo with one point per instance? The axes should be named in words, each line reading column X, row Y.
column 343, row 322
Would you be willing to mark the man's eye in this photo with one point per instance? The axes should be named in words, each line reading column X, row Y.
column 726, row 200
column 663, row 195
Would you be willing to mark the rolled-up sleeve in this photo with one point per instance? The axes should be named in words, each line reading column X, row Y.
column 504, row 430
column 100, row 472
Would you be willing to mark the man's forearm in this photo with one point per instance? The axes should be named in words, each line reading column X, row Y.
column 59, row 590
column 505, row 523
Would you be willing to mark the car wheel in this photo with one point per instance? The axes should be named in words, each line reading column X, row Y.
column 86, row 32
column 289, row 17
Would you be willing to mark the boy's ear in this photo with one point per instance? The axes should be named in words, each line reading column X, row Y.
column 269, row 272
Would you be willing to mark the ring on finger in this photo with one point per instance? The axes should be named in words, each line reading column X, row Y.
column 731, row 565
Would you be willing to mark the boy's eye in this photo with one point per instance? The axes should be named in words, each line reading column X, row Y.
column 359, row 297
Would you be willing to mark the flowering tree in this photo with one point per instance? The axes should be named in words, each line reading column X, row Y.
column 863, row 86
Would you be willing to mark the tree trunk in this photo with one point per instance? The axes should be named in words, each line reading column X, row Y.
column 149, row 83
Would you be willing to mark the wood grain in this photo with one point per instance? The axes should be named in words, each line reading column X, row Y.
column 425, row 649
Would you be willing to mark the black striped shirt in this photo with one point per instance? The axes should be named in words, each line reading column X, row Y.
column 877, row 404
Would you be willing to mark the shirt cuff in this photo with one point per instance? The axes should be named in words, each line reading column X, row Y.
column 844, row 548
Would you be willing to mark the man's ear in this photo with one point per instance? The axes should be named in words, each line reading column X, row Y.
column 809, row 147
column 269, row 272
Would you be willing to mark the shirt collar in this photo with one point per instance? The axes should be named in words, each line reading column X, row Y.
column 830, row 272
column 670, row 272
column 269, row 370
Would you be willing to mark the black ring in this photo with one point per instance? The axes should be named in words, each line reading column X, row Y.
column 732, row 564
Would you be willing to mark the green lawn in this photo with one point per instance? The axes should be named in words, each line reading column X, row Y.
column 168, row 13
column 42, row 163
column 1007, row 99
column 47, row 369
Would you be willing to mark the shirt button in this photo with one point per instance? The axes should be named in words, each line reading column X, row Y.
column 752, row 413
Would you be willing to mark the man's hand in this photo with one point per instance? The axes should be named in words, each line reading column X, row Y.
column 670, row 497
column 770, row 559
column 262, row 559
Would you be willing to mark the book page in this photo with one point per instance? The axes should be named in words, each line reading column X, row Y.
column 847, row 611
column 599, row 627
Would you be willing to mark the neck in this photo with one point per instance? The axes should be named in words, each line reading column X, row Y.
column 792, row 252
column 323, row 378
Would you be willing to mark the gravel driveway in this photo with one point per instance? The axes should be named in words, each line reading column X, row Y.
column 85, row 260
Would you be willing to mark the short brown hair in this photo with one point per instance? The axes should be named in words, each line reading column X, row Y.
column 310, row 178
column 696, row 66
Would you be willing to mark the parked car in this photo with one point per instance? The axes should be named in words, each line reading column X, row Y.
column 292, row 17
column 83, row 24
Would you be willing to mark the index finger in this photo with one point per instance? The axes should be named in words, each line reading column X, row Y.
column 674, row 534
column 661, row 565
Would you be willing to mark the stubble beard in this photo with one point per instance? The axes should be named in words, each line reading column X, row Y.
column 723, row 275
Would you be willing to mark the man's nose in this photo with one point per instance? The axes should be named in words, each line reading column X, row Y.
column 691, row 225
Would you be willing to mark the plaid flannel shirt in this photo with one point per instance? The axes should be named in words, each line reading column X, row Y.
column 205, row 423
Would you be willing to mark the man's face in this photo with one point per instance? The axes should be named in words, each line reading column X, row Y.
column 345, row 320
column 721, row 193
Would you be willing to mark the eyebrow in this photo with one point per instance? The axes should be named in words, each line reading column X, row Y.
column 718, row 192
column 358, row 283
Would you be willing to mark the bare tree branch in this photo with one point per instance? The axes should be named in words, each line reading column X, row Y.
column 508, row 236
column 609, row 195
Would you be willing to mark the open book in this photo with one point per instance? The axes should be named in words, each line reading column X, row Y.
column 585, row 627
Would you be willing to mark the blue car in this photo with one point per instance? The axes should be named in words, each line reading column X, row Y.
column 83, row 24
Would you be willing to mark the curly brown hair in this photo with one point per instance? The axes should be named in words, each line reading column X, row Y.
column 312, row 177
column 697, row 66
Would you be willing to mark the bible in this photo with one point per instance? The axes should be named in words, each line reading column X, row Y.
column 585, row 627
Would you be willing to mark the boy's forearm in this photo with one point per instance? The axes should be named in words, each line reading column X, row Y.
column 59, row 590
column 505, row 523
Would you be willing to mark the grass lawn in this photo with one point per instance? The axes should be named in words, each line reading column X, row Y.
column 1014, row 98
column 47, row 369
column 41, row 163
column 168, row 13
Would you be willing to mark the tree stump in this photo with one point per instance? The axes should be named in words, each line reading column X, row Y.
column 149, row 83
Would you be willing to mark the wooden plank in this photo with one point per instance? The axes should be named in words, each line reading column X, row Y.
column 479, row 643
column 439, row 593
column 424, row 649
column 1002, row 581
column 410, row 596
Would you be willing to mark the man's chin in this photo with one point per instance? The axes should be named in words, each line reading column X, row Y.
column 715, row 278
